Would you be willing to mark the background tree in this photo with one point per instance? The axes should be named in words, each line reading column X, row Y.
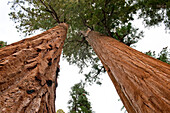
column 60, row 111
column 79, row 102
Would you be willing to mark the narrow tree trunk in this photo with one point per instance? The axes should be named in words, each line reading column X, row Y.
column 142, row 82
column 28, row 72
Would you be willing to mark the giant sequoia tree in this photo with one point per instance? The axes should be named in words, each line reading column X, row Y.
column 115, row 20
column 141, row 81
column 28, row 72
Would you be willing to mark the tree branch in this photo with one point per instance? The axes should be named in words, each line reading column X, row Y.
column 85, row 23
column 111, row 13
column 119, row 37
column 51, row 11
column 55, row 14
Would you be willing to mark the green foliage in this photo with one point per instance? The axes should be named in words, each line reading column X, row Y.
column 79, row 102
column 150, row 53
column 32, row 15
column 2, row 44
column 94, row 75
column 155, row 12
column 164, row 55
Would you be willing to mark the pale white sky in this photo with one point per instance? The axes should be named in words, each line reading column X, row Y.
column 104, row 99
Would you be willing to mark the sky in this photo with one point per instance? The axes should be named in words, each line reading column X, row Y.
column 104, row 98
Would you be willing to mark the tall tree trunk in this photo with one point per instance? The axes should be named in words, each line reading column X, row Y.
column 142, row 82
column 28, row 72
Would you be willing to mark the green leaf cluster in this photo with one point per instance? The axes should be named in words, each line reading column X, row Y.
column 2, row 44
column 164, row 55
column 155, row 12
column 32, row 15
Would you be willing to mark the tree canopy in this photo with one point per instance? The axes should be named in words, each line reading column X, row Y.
column 110, row 17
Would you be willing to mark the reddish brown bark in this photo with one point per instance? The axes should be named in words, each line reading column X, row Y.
column 142, row 82
column 28, row 72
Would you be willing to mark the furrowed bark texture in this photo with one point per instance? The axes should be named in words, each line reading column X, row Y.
column 28, row 72
column 142, row 82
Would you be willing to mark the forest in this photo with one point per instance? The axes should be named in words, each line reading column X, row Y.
column 100, row 36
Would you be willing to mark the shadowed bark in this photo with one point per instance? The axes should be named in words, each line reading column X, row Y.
column 142, row 82
column 28, row 72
